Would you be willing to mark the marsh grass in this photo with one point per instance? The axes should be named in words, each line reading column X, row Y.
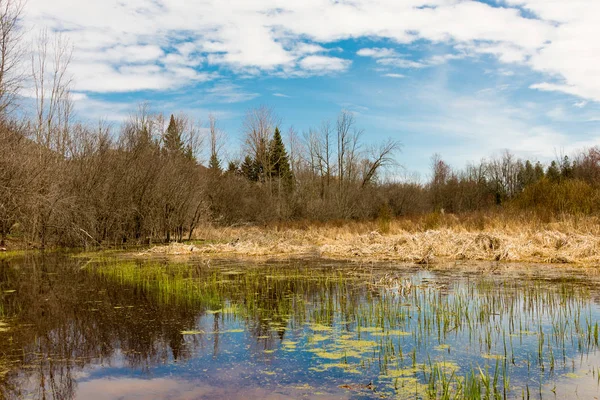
column 413, row 336
column 429, row 239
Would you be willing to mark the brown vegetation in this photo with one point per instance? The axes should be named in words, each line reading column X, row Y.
column 430, row 239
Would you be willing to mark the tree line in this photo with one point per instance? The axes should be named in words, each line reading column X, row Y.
column 69, row 183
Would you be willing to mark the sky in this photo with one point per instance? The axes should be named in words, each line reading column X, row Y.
column 465, row 79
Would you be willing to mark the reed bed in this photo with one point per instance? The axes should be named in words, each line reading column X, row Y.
column 427, row 240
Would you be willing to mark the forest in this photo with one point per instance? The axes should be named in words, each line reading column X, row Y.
column 158, row 177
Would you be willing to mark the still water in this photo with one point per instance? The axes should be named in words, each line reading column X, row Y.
column 88, row 327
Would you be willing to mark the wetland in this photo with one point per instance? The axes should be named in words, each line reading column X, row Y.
column 85, row 326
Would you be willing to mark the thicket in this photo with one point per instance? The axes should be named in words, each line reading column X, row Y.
column 70, row 184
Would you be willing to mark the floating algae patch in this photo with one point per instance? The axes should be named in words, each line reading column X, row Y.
column 320, row 328
column 192, row 332
column 304, row 386
column 405, row 388
column 316, row 338
column 493, row 356
column 358, row 345
column 268, row 372
column 235, row 330
column 447, row 366
column 289, row 345
column 347, row 368
column 371, row 329
column 397, row 373
column 335, row 353
column 392, row 332
column 442, row 347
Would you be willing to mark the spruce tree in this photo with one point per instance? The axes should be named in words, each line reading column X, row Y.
column 214, row 164
column 279, row 161
column 249, row 169
column 173, row 142
column 232, row 168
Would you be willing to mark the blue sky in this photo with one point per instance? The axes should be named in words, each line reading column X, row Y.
column 465, row 79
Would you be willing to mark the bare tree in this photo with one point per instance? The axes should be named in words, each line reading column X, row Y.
column 295, row 153
column 11, row 53
column 503, row 174
column 50, row 63
column 380, row 157
column 321, row 157
column 216, row 143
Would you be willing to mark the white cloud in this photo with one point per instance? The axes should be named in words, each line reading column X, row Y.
column 390, row 58
column 281, row 95
column 308, row 48
column 324, row 64
column 95, row 110
column 572, row 51
column 376, row 52
column 105, row 78
column 400, row 62
column 505, row 52
column 284, row 37
column 392, row 75
column 229, row 93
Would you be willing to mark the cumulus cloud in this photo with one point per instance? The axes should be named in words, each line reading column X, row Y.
column 161, row 41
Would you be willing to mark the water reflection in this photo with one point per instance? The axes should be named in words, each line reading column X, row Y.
column 107, row 328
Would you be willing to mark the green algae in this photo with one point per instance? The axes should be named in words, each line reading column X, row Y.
column 192, row 332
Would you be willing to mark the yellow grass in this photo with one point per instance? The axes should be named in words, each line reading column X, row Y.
column 424, row 240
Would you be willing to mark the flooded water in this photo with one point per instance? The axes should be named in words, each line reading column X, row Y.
column 106, row 328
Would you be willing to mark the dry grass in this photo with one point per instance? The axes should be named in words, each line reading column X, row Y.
column 426, row 240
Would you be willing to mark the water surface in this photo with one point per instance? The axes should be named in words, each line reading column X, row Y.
column 103, row 328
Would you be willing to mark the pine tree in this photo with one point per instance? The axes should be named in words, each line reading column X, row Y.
column 173, row 142
column 279, row 161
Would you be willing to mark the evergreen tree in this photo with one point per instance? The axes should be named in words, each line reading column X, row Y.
column 249, row 169
column 214, row 164
column 526, row 175
column 279, row 161
column 232, row 168
column 566, row 168
column 173, row 142
column 538, row 171
column 553, row 172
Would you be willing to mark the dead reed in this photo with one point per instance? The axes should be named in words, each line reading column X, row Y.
column 424, row 240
